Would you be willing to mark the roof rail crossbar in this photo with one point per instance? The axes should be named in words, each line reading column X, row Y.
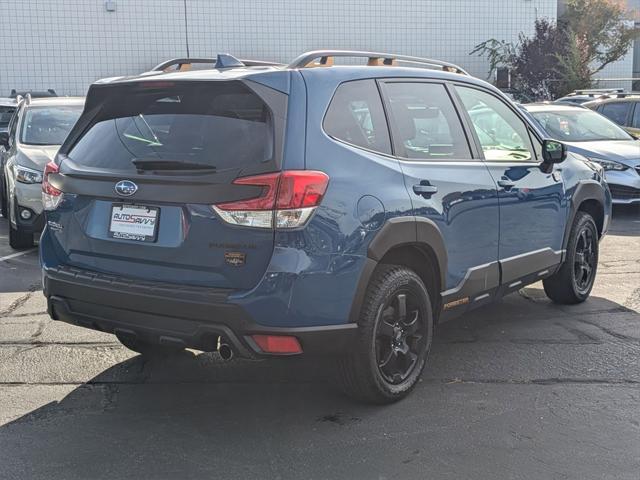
column 325, row 58
column 185, row 63
column 587, row 91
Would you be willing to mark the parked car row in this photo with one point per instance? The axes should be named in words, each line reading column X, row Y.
column 597, row 139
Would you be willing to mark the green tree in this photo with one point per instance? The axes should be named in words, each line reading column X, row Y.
column 560, row 58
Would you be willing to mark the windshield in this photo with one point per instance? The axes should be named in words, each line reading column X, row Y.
column 48, row 125
column 5, row 115
column 579, row 126
column 216, row 125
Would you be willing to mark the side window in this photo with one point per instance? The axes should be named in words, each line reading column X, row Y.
column 426, row 121
column 635, row 123
column 616, row 111
column 502, row 134
column 356, row 116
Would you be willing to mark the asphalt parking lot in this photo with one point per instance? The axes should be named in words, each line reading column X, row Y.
column 523, row 389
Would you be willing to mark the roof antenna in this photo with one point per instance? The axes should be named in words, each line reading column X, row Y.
column 186, row 29
column 224, row 60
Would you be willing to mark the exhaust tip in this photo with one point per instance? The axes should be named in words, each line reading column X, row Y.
column 225, row 351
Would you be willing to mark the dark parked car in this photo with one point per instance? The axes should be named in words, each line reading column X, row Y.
column 33, row 93
column 597, row 138
column 623, row 110
column 285, row 210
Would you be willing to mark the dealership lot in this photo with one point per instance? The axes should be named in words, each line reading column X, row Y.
column 521, row 389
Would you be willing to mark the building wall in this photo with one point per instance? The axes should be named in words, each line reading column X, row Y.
column 67, row 44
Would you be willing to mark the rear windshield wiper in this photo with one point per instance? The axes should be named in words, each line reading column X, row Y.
column 159, row 164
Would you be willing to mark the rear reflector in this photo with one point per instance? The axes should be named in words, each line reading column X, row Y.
column 287, row 200
column 277, row 344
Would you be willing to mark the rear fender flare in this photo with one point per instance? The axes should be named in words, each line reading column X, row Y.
column 398, row 232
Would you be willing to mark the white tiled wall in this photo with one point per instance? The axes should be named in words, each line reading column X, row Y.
column 67, row 44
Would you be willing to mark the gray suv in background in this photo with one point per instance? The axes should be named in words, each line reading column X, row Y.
column 34, row 136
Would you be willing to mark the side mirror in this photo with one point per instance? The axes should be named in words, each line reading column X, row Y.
column 553, row 151
column 4, row 139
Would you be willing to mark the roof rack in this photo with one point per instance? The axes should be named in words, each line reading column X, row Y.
column 326, row 59
column 594, row 91
column 221, row 61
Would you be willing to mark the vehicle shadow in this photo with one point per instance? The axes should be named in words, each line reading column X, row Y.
column 193, row 416
column 625, row 220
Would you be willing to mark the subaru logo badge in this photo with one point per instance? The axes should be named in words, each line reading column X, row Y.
column 126, row 188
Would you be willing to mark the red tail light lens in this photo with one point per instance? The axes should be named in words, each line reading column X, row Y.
column 287, row 200
column 301, row 189
column 51, row 196
column 279, row 344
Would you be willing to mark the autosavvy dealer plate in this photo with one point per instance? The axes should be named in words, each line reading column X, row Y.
column 134, row 222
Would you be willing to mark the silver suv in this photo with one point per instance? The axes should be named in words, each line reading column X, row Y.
column 35, row 133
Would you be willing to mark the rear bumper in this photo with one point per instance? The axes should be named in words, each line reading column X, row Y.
column 173, row 314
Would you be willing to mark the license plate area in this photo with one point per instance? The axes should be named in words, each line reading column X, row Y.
column 134, row 222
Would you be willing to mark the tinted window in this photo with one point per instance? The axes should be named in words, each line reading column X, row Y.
column 224, row 125
column 636, row 116
column 48, row 125
column 5, row 115
column 502, row 134
column 426, row 121
column 579, row 126
column 356, row 116
column 617, row 111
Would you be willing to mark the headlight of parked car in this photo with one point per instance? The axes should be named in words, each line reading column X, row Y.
column 609, row 164
column 27, row 175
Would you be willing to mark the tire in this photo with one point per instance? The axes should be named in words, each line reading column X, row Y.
column 19, row 240
column 4, row 208
column 147, row 349
column 573, row 282
column 384, row 341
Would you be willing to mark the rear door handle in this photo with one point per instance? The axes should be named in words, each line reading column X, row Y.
column 506, row 183
column 425, row 190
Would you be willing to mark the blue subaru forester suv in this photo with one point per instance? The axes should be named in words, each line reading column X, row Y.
column 274, row 210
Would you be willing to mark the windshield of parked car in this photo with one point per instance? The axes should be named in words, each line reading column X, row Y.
column 5, row 115
column 579, row 126
column 48, row 125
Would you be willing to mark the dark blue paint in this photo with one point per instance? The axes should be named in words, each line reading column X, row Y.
column 309, row 277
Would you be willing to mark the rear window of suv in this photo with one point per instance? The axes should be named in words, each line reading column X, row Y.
column 218, row 124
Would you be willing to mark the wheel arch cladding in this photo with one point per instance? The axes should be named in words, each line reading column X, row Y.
column 589, row 197
column 413, row 242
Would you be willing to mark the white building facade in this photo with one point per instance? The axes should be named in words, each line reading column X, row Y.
column 67, row 44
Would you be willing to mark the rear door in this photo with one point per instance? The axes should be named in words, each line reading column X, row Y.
column 533, row 207
column 144, row 168
column 448, row 185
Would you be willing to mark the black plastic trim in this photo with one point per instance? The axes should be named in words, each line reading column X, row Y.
column 190, row 317
column 410, row 230
column 585, row 190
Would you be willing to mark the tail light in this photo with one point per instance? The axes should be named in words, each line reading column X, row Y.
column 51, row 196
column 287, row 200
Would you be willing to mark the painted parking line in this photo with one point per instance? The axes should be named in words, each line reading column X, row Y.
column 14, row 255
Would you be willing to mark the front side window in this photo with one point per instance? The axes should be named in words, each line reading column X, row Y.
column 502, row 134
column 426, row 122
column 356, row 116
column 617, row 111
column 48, row 125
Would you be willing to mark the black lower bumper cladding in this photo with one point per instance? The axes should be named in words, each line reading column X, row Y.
column 173, row 315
